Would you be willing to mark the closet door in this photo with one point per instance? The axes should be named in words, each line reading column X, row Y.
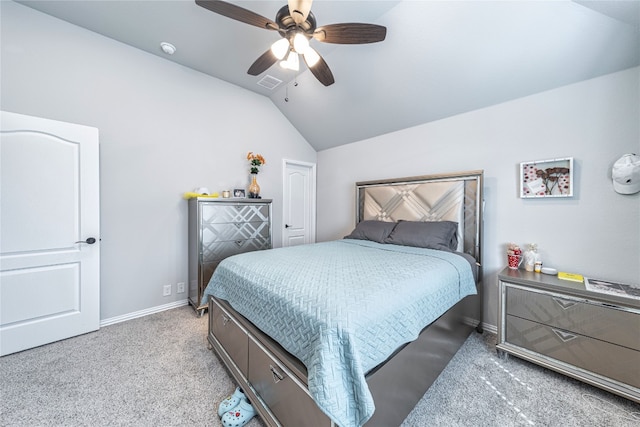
column 299, row 203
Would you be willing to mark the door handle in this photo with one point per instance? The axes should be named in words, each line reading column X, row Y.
column 564, row 336
column 565, row 304
column 89, row 241
column 287, row 226
column 277, row 376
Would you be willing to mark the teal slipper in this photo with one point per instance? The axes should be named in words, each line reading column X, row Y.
column 231, row 402
column 240, row 415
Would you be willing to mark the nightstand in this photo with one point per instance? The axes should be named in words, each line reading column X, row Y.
column 591, row 336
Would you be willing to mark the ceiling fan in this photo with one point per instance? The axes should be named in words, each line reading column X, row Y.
column 296, row 24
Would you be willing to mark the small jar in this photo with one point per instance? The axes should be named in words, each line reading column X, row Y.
column 226, row 194
column 537, row 266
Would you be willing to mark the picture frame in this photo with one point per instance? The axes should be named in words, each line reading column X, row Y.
column 546, row 178
column 239, row 193
column 612, row 288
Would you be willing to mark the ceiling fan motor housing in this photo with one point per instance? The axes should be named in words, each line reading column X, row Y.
column 288, row 25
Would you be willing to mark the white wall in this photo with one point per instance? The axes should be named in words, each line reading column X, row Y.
column 595, row 233
column 164, row 129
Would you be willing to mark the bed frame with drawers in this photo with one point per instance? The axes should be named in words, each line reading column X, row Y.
column 276, row 382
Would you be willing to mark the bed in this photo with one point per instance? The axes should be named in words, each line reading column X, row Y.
column 353, row 332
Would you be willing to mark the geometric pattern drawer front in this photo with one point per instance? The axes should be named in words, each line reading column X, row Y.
column 219, row 213
column 218, row 250
column 212, row 232
column 591, row 320
column 619, row 363
column 281, row 392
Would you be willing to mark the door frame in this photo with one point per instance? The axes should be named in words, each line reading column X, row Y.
column 312, row 195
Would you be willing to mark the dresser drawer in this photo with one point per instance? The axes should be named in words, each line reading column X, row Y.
column 284, row 394
column 216, row 212
column 219, row 250
column 574, row 315
column 232, row 337
column 619, row 363
column 232, row 231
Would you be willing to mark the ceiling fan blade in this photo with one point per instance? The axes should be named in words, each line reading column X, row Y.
column 261, row 64
column 238, row 13
column 321, row 71
column 351, row 33
column 299, row 10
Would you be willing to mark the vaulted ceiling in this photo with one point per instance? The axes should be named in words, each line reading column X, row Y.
column 439, row 58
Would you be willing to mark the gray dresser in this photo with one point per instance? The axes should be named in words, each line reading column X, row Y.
column 559, row 324
column 219, row 228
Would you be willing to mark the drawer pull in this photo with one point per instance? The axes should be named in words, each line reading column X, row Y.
column 564, row 336
column 277, row 376
column 225, row 319
column 564, row 303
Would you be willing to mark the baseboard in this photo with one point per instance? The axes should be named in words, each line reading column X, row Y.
column 490, row 328
column 485, row 326
column 142, row 313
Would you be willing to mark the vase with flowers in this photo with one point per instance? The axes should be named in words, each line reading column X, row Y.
column 255, row 161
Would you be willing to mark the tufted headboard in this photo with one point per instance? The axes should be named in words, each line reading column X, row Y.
column 454, row 197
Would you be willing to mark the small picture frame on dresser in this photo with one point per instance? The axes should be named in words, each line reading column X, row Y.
column 546, row 178
column 239, row 193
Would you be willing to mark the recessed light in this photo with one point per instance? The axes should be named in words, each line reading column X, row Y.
column 168, row 48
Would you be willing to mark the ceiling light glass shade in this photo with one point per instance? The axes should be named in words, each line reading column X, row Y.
column 292, row 62
column 280, row 48
column 311, row 57
column 300, row 43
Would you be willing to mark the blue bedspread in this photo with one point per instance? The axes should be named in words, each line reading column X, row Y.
column 342, row 308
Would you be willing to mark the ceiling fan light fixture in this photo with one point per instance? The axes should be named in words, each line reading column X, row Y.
column 292, row 62
column 280, row 48
column 311, row 57
column 295, row 20
column 300, row 43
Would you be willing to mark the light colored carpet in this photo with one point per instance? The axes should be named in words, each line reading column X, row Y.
column 157, row 371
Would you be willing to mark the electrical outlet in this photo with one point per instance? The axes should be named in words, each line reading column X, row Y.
column 166, row 290
column 180, row 287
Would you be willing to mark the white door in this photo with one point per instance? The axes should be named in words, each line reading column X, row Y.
column 299, row 198
column 49, row 231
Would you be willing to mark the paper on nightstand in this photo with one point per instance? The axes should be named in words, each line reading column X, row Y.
column 570, row 276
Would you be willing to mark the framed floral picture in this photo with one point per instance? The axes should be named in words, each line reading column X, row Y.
column 547, row 178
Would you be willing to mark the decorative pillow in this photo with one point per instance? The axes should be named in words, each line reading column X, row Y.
column 431, row 234
column 376, row 231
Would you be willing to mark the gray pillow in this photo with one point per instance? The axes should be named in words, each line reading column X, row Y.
column 440, row 235
column 376, row 231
